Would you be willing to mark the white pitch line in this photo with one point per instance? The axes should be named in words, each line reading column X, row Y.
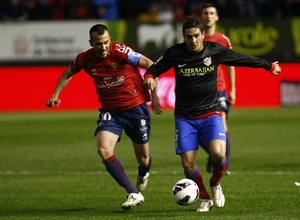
column 154, row 172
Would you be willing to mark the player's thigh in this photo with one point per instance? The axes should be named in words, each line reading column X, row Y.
column 136, row 124
column 212, row 128
column 106, row 143
column 187, row 135
column 106, row 139
column 224, row 120
column 108, row 133
column 109, row 121
column 217, row 150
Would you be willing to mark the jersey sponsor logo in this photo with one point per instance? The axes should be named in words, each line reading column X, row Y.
column 123, row 49
column 197, row 71
column 108, row 82
column 112, row 66
column 181, row 65
column 207, row 61
column 221, row 133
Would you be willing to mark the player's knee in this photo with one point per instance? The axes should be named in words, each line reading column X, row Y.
column 104, row 152
column 188, row 167
column 218, row 157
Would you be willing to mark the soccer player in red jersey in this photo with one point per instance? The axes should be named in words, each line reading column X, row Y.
column 209, row 17
column 197, row 109
column 122, row 96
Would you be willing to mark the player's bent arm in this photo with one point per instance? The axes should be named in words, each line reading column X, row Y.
column 62, row 82
column 156, row 107
column 144, row 62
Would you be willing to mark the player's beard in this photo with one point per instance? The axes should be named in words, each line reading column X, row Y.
column 102, row 53
column 195, row 47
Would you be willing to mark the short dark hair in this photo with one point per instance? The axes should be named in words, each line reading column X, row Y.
column 98, row 28
column 208, row 5
column 192, row 21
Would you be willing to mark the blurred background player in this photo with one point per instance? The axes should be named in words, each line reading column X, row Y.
column 209, row 17
column 123, row 98
column 197, row 110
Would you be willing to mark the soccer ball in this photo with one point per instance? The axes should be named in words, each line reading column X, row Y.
column 185, row 192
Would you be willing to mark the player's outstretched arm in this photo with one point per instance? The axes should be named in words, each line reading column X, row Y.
column 145, row 62
column 62, row 82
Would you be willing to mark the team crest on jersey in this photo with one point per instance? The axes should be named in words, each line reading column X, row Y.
column 94, row 72
column 207, row 61
column 114, row 66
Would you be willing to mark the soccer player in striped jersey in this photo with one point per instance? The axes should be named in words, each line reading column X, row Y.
column 122, row 96
column 197, row 109
column 209, row 17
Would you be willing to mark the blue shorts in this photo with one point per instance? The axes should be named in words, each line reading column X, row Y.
column 134, row 121
column 188, row 132
column 223, row 101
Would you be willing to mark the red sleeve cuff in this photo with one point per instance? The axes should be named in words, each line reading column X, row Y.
column 148, row 76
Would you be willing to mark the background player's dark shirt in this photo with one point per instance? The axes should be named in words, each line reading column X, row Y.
column 196, row 75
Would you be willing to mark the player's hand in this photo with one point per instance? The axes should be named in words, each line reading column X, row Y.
column 53, row 101
column 149, row 83
column 156, row 107
column 276, row 69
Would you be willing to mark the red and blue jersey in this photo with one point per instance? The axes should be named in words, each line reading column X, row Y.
column 119, row 85
column 225, row 42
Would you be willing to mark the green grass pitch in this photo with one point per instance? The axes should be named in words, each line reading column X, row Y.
column 49, row 168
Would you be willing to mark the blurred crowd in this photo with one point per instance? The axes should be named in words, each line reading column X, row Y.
column 142, row 10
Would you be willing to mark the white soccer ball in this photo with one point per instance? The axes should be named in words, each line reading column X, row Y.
column 185, row 192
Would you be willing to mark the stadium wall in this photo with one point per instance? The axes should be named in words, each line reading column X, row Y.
column 28, row 88
column 36, row 42
column 32, row 57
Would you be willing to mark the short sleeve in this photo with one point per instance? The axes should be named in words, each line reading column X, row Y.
column 124, row 53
